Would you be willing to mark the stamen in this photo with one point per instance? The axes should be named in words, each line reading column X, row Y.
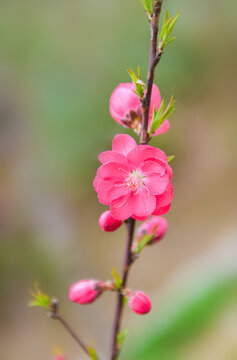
column 134, row 181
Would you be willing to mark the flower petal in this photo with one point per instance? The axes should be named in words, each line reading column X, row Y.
column 144, row 203
column 123, row 143
column 143, row 153
column 103, row 187
column 113, row 171
column 122, row 100
column 163, row 201
column 111, row 156
column 122, row 208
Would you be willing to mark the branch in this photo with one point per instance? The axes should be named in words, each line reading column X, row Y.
column 145, row 105
column 54, row 314
column 119, row 305
column 154, row 59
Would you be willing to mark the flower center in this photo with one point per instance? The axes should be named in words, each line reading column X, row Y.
column 134, row 181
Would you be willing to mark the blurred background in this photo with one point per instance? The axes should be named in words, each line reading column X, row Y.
column 59, row 62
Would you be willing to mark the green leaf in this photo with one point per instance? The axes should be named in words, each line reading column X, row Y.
column 140, row 82
column 144, row 241
column 170, row 40
column 147, row 4
column 166, row 19
column 117, row 279
column 161, row 115
column 169, row 109
column 121, row 337
column 167, row 29
column 40, row 299
column 140, row 85
column 170, row 158
column 132, row 75
column 92, row 353
column 173, row 21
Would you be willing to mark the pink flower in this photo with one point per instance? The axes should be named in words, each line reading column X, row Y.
column 134, row 180
column 139, row 302
column 59, row 357
column 156, row 222
column 85, row 291
column 126, row 110
column 108, row 223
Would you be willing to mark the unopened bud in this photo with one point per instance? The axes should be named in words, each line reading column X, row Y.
column 85, row 291
column 156, row 225
column 108, row 223
column 139, row 302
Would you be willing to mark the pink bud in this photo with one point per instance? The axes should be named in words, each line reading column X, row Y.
column 108, row 223
column 139, row 302
column 125, row 107
column 148, row 226
column 85, row 291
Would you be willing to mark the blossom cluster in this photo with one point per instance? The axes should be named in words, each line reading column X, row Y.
column 135, row 182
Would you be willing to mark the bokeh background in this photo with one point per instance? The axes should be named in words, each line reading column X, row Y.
column 59, row 62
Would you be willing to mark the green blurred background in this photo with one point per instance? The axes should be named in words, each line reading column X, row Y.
column 59, row 62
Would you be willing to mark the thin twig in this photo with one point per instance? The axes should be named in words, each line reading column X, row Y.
column 119, row 305
column 73, row 334
column 154, row 59
column 54, row 314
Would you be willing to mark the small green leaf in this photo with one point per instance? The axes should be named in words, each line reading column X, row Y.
column 166, row 19
column 121, row 337
column 132, row 75
column 170, row 158
column 144, row 241
column 92, row 353
column 117, row 279
column 147, row 4
column 161, row 115
column 140, row 85
column 173, row 21
column 170, row 40
column 40, row 299
column 167, row 29
column 140, row 82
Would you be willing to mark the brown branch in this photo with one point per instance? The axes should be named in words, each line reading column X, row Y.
column 145, row 105
column 119, row 305
column 154, row 59
column 54, row 314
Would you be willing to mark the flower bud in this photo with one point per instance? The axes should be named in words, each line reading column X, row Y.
column 139, row 302
column 125, row 107
column 108, row 223
column 158, row 223
column 85, row 291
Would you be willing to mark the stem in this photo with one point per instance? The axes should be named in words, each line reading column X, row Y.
column 119, row 305
column 54, row 314
column 73, row 334
column 145, row 105
column 154, row 59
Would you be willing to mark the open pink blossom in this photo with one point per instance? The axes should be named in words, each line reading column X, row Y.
column 108, row 223
column 156, row 225
column 134, row 180
column 139, row 302
column 85, row 291
column 125, row 107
